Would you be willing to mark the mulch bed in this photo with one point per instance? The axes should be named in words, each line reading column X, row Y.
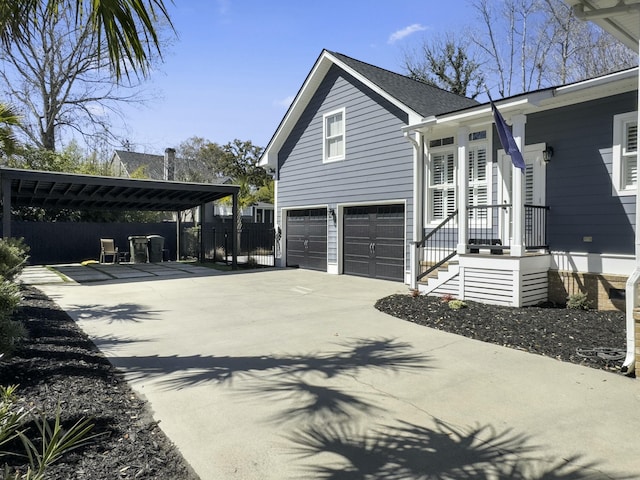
column 586, row 337
column 59, row 365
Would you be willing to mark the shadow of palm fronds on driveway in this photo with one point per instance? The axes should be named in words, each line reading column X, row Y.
column 120, row 313
column 442, row 452
column 353, row 357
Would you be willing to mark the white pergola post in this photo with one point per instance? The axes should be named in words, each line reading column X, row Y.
column 463, row 190
column 518, row 247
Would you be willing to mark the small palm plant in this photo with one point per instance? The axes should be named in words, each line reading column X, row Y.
column 54, row 440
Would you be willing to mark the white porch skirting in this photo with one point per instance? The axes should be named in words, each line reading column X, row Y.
column 504, row 280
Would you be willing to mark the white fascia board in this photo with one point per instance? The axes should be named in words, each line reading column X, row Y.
column 604, row 81
column 479, row 114
column 300, row 102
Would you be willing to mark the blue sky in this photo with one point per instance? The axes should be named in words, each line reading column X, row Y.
column 236, row 65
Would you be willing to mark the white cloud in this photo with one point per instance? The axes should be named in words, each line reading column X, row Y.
column 285, row 102
column 405, row 32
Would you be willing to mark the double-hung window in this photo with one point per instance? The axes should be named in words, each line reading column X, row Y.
column 443, row 180
column 625, row 153
column 478, row 186
column 334, row 136
column 442, row 185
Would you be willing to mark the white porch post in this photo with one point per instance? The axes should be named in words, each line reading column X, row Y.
column 463, row 190
column 518, row 187
column 418, row 205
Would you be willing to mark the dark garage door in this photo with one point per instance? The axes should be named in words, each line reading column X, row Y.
column 307, row 238
column 374, row 241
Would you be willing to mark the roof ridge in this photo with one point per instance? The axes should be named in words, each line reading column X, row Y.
column 406, row 77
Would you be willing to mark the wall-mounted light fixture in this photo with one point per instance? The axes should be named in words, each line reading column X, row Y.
column 332, row 212
column 547, row 153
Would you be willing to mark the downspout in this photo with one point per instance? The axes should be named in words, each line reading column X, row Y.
column 417, row 204
column 632, row 293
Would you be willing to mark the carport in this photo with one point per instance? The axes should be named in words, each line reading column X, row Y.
column 55, row 190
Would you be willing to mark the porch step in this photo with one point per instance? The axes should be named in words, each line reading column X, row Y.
column 443, row 281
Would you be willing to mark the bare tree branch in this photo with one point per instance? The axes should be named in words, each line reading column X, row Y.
column 60, row 80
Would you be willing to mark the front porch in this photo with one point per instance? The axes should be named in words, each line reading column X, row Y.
column 482, row 266
column 497, row 280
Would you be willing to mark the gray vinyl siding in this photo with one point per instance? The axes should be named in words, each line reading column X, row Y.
column 578, row 178
column 378, row 159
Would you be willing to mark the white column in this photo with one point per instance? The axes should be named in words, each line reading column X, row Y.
column 418, row 205
column 462, row 189
column 518, row 188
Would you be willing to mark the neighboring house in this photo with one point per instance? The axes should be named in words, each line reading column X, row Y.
column 156, row 167
column 344, row 171
column 380, row 176
column 163, row 167
column 259, row 213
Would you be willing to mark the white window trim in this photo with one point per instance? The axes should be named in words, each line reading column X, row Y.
column 428, row 213
column 325, row 153
column 429, row 170
column 616, row 162
column 488, row 181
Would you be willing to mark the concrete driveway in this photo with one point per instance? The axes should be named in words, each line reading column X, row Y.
column 293, row 374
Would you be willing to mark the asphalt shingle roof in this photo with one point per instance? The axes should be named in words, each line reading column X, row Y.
column 425, row 99
column 133, row 160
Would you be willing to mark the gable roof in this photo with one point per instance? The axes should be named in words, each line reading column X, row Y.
column 417, row 99
column 132, row 161
column 421, row 97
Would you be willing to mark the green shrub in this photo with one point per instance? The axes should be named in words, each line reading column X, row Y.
column 11, row 331
column 10, row 297
column 456, row 304
column 13, row 256
column 578, row 301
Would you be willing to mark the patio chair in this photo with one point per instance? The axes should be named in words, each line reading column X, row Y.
column 108, row 247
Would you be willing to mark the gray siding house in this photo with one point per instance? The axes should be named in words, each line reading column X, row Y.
column 344, row 169
column 381, row 176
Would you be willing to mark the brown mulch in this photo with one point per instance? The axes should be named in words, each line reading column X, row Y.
column 586, row 337
column 59, row 365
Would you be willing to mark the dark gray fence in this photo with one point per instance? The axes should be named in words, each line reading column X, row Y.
column 72, row 242
column 256, row 247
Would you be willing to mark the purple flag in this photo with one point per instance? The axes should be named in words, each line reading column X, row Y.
column 507, row 140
